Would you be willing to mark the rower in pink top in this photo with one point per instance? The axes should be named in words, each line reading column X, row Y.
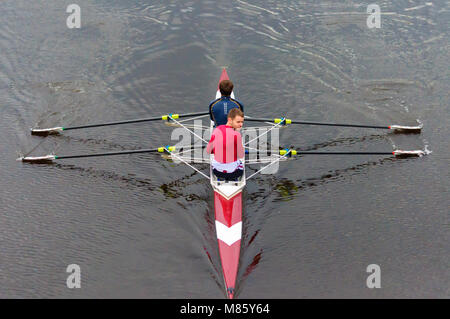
column 226, row 145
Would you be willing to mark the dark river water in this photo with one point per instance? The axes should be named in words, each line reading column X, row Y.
column 142, row 227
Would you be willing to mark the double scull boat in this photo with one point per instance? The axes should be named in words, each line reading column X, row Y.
column 228, row 217
column 227, row 194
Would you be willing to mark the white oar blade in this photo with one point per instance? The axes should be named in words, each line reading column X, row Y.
column 37, row 159
column 416, row 153
column 46, row 131
column 407, row 129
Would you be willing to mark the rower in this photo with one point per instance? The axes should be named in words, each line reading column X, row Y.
column 219, row 108
column 226, row 145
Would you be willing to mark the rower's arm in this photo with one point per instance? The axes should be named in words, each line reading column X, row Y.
column 242, row 107
column 211, row 116
column 240, row 146
column 210, row 146
column 239, row 104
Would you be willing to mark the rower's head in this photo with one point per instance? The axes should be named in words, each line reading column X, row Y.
column 235, row 119
column 226, row 87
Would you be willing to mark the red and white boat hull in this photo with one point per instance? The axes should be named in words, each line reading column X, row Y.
column 228, row 220
column 228, row 215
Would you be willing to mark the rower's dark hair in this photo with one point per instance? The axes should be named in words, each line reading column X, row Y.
column 235, row 112
column 226, row 87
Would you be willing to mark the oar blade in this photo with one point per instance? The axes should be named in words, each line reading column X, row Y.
column 38, row 159
column 46, row 131
column 402, row 154
column 407, row 129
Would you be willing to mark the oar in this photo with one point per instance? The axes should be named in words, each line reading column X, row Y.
column 51, row 158
column 56, row 130
column 397, row 153
column 284, row 121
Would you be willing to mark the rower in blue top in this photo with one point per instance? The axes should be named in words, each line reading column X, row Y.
column 219, row 108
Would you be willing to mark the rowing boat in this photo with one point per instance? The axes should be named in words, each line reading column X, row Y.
column 228, row 218
column 227, row 194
